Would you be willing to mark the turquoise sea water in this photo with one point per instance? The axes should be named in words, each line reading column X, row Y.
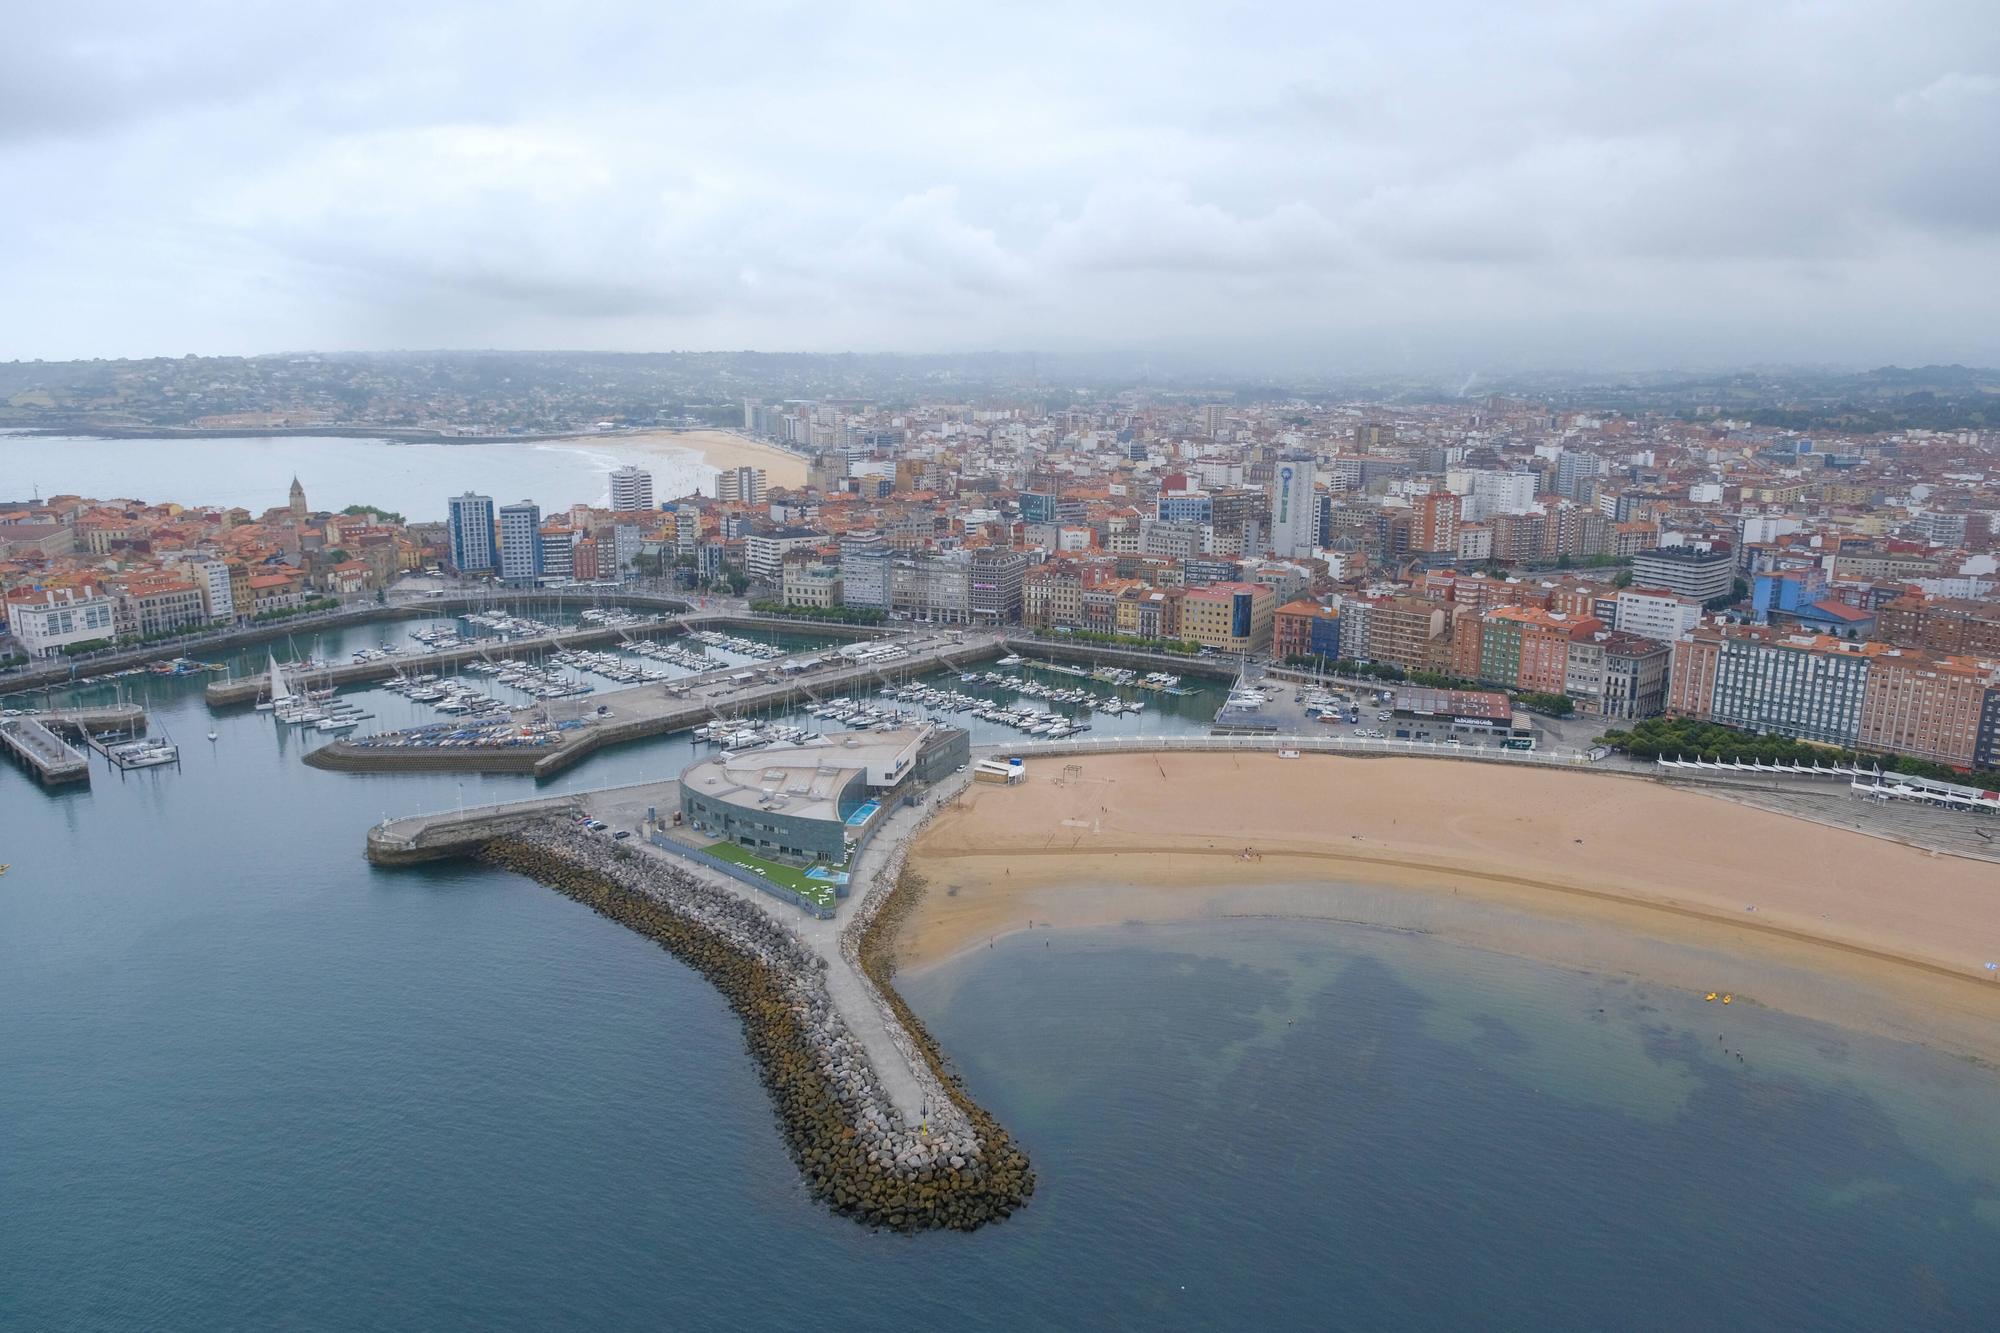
column 248, row 1082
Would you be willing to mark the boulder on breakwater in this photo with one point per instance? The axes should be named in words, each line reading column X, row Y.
column 956, row 1169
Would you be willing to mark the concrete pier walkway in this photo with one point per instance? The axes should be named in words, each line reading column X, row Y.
column 51, row 759
column 41, row 741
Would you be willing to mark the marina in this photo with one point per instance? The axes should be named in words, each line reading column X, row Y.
column 148, row 752
column 45, row 741
column 512, row 636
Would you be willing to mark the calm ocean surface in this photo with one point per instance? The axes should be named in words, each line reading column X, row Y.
column 409, row 478
column 248, row 1082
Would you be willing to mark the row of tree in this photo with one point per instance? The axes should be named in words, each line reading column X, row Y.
column 836, row 615
column 1680, row 737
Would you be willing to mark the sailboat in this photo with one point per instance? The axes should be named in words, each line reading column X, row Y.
column 287, row 706
column 275, row 690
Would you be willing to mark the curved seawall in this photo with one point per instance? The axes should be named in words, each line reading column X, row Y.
column 954, row 1169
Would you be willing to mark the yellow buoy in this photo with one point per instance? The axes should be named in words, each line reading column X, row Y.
column 1728, row 998
column 1711, row 995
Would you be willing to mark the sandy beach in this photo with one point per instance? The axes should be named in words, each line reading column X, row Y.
column 718, row 448
column 1607, row 873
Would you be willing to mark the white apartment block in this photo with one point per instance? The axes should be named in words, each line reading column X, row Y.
column 1655, row 613
column 48, row 620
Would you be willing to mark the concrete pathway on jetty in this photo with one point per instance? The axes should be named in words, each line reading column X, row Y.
column 853, row 994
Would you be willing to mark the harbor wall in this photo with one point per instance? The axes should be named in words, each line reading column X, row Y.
column 445, row 836
column 1100, row 654
column 343, row 757
column 954, row 1170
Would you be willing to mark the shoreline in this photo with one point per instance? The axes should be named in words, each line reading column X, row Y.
column 716, row 448
column 1823, row 941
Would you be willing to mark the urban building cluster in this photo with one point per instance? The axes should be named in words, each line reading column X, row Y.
column 1830, row 588
column 78, row 573
column 1622, row 566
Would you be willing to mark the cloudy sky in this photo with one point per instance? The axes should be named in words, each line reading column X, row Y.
column 1325, row 185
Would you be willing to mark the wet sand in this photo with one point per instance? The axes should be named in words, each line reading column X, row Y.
column 718, row 448
column 1612, row 874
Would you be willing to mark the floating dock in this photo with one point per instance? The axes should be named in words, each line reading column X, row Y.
column 42, row 742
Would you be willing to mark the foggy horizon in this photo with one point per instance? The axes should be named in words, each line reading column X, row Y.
column 1678, row 187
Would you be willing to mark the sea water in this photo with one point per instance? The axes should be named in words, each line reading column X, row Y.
column 408, row 477
column 248, row 1081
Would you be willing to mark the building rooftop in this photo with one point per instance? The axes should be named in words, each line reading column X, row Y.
column 804, row 780
column 1490, row 705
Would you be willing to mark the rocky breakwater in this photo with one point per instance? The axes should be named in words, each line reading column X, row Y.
column 953, row 1169
column 868, row 944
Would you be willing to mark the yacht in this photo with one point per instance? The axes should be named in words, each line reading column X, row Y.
column 145, row 754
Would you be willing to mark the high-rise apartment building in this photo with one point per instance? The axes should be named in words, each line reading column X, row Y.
column 521, row 543
column 473, row 550
column 631, row 488
column 740, row 485
column 219, row 598
column 1925, row 705
column 1294, row 509
column 1702, row 575
column 996, row 585
column 864, row 571
column 1574, row 468
column 1805, row 686
column 1436, row 521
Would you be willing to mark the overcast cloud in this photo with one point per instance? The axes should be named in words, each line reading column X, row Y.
column 1419, row 186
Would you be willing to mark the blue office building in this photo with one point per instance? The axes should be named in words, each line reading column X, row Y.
column 1187, row 507
column 1786, row 590
column 473, row 548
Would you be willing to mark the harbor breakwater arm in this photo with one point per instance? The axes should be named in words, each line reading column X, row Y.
column 909, row 1152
